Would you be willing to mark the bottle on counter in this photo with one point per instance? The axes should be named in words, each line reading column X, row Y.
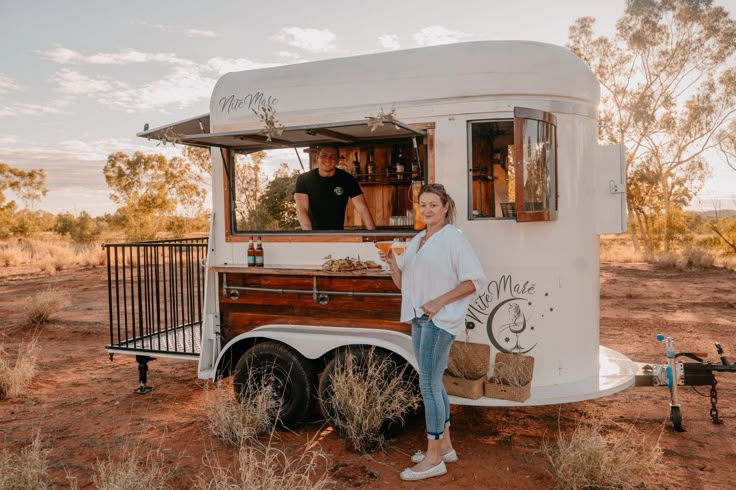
column 370, row 167
column 356, row 167
column 251, row 253
column 400, row 165
column 259, row 253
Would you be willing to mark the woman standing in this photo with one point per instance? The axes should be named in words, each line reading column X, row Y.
column 440, row 272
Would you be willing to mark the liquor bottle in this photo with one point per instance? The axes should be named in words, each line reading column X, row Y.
column 259, row 253
column 356, row 167
column 400, row 166
column 414, row 167
column 370, row 167
column 251, row 253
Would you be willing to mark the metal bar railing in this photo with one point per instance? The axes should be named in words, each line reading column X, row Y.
column 155, row 293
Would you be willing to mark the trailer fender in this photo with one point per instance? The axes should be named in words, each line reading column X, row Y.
column 313, row 342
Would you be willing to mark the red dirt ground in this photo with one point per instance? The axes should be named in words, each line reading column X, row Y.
column 83, row 406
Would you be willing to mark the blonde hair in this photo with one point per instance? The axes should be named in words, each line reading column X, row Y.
column 439, row 191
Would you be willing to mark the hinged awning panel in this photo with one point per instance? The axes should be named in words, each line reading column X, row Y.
column 190, row 132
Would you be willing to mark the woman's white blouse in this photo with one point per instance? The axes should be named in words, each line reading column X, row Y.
column 444, row 261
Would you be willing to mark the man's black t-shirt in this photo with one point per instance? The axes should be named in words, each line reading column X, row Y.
column 328, row 197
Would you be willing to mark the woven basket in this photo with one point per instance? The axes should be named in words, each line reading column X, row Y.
column 464, row 388
column 506, row 392
column 468, row 360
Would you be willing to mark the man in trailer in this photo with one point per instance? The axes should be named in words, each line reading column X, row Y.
column 322, row 194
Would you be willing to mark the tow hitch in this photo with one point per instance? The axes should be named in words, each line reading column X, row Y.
column 696, row 372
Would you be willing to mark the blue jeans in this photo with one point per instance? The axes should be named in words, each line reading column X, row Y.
column 431, row 348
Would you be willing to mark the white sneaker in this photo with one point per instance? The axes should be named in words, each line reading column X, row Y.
column 411, row 475
column 450, row 457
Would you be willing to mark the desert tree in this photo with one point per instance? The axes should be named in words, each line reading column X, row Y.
column 728, row 145
column 199, row 158
column 249, row 182
column 151, row 189
column 276, row 209
column 668, row 92
column 29, row 186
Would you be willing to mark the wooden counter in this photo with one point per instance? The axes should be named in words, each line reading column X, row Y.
column 298, row 270
column 297, row 295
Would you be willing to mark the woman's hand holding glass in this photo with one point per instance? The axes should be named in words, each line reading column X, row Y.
column 386, row 254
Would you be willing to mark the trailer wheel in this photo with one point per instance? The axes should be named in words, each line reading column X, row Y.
column 291, row 375
column 398, row 367
column 676, row 418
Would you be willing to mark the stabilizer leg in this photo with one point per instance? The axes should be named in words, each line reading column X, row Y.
column 143, row 388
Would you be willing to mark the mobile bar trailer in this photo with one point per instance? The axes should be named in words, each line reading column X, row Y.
column 509, row 128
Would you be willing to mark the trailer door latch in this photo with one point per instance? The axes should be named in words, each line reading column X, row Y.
column 616, row 187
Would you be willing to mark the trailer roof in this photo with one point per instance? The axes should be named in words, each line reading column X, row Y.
column 302, row 92
column 311, row 99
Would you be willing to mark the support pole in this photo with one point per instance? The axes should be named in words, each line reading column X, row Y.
column 143, row 388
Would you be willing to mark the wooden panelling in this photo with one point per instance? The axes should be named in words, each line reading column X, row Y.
column 256, row 307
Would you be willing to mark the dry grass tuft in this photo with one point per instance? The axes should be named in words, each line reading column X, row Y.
column 696, row 258
column 590, row 458
column 688, row 258
column 50, row 254
column 15, row 377
column 513, row 370
column 14, row 255
column 665, row 260
column 729, row 262
column 269, row 468
column 92, row 256
column 367, row 392
column 28, row 470
column 133, row 471
column 40, row 307
column 617, row 250
column 235, row 422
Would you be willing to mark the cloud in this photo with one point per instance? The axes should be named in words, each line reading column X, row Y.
column 70, row 82
column 227, row 65
column 434, row 35
column 389, row 41
column 200, row 33
column 312, row 40
column 180, row 88
column 8, row 85
column 289, row 54
column 188, row 32
column 23, row 109
column 65, row 56
column 185, row 83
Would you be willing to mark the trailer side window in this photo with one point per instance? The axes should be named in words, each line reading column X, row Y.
column 512, row 167
column 491, row 169
column 535, row 165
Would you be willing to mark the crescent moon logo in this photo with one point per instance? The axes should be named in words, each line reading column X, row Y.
column 516, row 326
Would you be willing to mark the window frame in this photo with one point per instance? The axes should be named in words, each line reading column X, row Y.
column 228, row 155
column 470, row 123
column 522, row 114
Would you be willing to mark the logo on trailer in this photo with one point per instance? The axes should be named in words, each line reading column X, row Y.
column 512, row 312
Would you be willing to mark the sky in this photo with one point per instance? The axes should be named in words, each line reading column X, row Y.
column 78, row 79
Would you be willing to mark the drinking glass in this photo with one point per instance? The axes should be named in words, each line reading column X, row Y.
column 384, row 247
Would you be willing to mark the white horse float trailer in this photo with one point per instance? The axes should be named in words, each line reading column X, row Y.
column 509, row 128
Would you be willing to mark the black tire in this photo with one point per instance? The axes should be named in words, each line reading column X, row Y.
column 291, row 374
column 390, row 427
column 676, row 418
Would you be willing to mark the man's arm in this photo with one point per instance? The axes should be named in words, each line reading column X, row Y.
column 302, row 210
column 365, row 214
